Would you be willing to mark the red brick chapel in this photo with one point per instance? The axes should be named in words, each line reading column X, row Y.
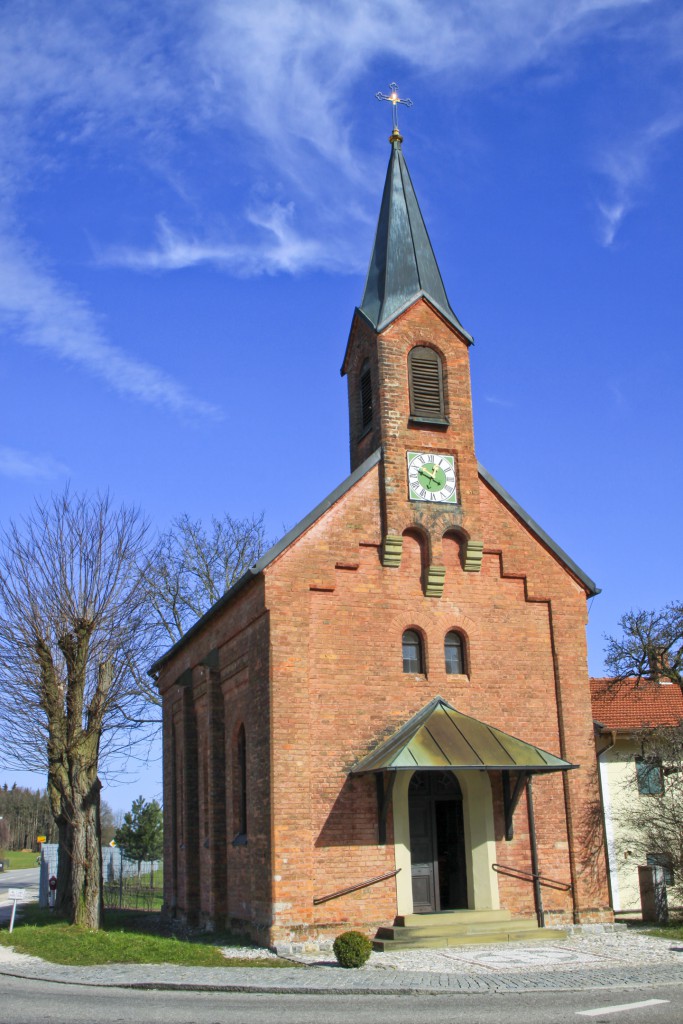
column 386, row 723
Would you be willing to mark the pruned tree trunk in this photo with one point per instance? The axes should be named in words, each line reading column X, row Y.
column 74, row 791
column 76, row 794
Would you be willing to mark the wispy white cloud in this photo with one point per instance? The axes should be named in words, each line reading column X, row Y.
column 616, row 391
column 19, row 464
column 502, row 402
column 282, row 249
column 74, row 78
column 40, row 312
column 285, row 68
column 628, row 167
column 156, row 77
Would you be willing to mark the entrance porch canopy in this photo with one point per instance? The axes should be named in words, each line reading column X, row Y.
column 440, row 737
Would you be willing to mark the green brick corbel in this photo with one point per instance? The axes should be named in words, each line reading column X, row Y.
column 434, row 580
column 392, row 549
column 473, row 554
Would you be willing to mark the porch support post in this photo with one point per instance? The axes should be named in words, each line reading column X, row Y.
column 383, row 801
column 538, row 896
column 510, row 801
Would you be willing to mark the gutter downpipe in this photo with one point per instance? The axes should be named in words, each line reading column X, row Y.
column 538, row 895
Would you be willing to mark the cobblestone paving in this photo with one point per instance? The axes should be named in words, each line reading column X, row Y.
column 626, row 960
column 604, row 951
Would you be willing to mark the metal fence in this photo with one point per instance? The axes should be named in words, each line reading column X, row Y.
column 125, row 883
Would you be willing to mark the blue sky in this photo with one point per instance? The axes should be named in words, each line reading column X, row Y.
column 188, row 198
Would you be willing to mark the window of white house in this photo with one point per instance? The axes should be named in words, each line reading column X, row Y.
column 660, row 860
column 650, row 776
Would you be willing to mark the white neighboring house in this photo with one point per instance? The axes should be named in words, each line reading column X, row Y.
column 622, row 715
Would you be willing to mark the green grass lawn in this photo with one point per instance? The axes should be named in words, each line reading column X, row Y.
column 18, row 859
column 669, row 931
column 128, row 937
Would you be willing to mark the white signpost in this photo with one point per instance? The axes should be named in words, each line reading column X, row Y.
column 17, row 896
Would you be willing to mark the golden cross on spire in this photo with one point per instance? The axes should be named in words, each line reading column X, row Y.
column 394, row 99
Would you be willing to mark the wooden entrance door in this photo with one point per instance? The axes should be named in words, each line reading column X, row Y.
column 437, row 842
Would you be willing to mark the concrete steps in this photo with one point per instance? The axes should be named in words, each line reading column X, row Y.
column 461, row 928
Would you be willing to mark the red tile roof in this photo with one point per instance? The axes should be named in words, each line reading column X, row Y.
column 629, row 705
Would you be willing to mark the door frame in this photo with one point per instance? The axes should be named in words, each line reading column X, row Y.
column 480, row 842
column 430, row 800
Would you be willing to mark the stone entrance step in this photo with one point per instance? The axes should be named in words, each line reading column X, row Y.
column 460, row 928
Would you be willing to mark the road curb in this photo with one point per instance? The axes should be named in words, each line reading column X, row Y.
column 389, row 983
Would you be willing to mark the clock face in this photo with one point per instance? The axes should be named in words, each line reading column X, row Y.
column 431, row 477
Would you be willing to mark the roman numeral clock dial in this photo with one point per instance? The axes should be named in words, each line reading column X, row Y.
column 431, row 477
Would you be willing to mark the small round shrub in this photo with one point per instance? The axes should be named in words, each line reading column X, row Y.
column 352, row 949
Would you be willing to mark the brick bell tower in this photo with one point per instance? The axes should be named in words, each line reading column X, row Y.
column 407, row 366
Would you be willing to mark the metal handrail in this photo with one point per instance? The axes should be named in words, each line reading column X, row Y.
column 529, row 876
column 355, row 888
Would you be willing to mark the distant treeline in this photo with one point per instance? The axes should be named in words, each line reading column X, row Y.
column 25, row 815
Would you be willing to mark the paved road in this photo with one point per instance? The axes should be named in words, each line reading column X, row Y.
column 23, row 878
column 27, row 1002
column 20, row 879
column 603, row 966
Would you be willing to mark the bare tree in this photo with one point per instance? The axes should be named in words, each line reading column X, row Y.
column 75, row 644
column 650, row 647
column 652, row 828
column 191, row 567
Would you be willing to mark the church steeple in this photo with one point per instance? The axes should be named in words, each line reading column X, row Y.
column 407, row 365
column 403, row 266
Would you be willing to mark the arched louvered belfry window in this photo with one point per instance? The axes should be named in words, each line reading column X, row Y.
column 365, row 396
column 413, row 660
column 425, row 382
column 454, row 654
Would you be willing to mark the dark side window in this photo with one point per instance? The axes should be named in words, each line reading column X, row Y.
column 365, row 396
column 454, row 654
column 412, row 652
column 240, row 787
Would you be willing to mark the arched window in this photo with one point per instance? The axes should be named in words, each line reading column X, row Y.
column 239, row 789
column 413, row 660
column 365, row 396
column 425, row 381
column 454, row 654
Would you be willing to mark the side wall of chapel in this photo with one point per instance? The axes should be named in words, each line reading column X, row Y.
column 216, row 871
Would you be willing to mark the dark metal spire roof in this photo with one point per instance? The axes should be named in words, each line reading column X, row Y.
column 403, row 266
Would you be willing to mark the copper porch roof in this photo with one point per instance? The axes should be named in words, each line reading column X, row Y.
column 438, row 736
